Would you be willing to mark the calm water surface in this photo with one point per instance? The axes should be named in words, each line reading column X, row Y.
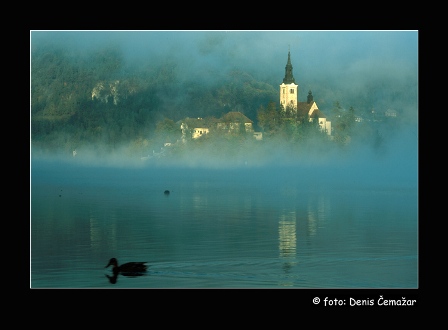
column 236, row 228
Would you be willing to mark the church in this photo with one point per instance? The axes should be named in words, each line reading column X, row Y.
column 289, row 99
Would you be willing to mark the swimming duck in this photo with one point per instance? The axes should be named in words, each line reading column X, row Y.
column 166, row 192
column 127, row 269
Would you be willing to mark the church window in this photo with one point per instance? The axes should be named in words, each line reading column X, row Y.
column 292, row 91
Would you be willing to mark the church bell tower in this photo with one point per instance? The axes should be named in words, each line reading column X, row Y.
column 289, row 89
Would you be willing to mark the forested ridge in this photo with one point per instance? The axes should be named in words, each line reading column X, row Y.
column 97, row 98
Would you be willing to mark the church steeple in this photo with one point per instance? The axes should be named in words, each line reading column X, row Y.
column 289, row 90
column 289, row 78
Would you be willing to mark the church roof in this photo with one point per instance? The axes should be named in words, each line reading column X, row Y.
column 318, row 114
column 303, row 108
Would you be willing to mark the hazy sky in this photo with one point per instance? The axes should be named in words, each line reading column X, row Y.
column 319, row 53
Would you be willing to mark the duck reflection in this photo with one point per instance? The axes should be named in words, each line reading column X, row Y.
column 129, row 269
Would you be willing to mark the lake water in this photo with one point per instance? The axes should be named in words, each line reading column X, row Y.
column 246, row 227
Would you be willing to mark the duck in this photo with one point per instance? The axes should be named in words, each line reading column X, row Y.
column 166, row 192
column 127, row 269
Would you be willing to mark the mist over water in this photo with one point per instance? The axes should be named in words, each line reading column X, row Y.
column 394, row 163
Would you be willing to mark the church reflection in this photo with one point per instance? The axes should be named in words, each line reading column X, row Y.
column 287, row 235
column 318, row 212
column 296, row 224
column 311, row 224
column 287, row 239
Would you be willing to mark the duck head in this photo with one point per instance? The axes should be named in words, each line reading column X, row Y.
column 112, row 262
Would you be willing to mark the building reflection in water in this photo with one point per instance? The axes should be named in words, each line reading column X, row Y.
column 318, row 212
column 314, row 217
column 311, row 223
column 287, row 238
column 287, row 235
column 199, row 198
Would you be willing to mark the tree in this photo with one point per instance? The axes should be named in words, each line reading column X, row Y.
column 351, row 115
column 336, row 112
column 167, row 131
column 343, row 123
column 289, row 112
column 269, row 118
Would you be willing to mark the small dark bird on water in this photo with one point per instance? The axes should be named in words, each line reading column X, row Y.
column 166, row 192
column 127, row 269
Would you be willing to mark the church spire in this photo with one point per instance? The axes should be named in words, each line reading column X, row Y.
column 289, row 78
column 309, row 98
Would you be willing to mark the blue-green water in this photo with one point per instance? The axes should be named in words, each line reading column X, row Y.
column 248, row 227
